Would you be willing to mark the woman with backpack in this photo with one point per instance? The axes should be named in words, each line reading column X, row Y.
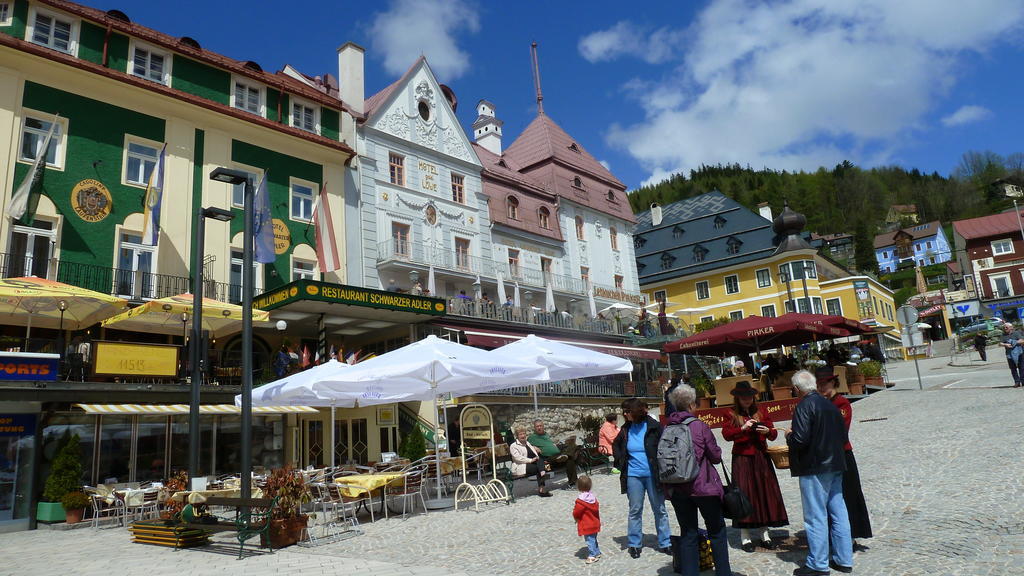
column 703, row 493
column 752, row 470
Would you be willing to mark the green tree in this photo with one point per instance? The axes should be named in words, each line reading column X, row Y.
column 66, row 472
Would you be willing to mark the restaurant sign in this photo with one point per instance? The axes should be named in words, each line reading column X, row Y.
column 17, row 425
column 301, row 290
column 619, row 295
column 20, row 366
column 140, row 360
column 777, row 411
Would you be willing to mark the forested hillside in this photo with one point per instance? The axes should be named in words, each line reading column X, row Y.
column 850, row 199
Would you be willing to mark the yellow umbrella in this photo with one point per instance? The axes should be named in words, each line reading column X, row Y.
column 41, row 302
column 171, row 316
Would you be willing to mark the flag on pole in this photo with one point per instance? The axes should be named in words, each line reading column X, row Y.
column 19, row 201
column 153, row 199
column 326, row 250
column 305, row 357
column 333, row 355
column 263, row 226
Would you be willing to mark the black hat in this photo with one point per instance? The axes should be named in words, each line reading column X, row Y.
column 743, row 388
column 824, row 374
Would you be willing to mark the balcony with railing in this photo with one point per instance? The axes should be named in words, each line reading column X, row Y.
column 531, row 316
column 418, row 255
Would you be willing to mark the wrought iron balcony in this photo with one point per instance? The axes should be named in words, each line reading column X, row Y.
column 532, row 316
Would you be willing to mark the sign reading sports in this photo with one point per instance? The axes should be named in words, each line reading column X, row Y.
column 341, row 294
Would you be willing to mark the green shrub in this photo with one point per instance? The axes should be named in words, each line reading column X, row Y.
column 413, row 445
column 66, row 472
column 75, row 500
column 870, row 368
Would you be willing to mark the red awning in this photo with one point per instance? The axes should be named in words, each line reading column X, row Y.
column 755, row 332
column 487, row 339
column 848, row 324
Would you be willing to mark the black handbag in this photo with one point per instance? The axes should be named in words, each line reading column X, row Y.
column 735, row 504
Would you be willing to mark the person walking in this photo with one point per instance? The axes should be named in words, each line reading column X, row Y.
column 636, row 456
column 1011, row 342
column 703, row 494
column 853, row 494
column 749, row 429
column 980, row 341
column 816, row 457
column 606, row 436
column 587, row 513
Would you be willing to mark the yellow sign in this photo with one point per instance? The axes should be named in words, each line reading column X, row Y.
column 428, row 175
column 122, row 359
column 282, row 237
column 91, row 200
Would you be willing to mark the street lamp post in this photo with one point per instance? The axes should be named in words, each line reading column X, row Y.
column 238, row 177
column 195, row 351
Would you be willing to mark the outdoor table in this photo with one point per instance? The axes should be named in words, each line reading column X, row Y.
column 372, row 483
column 136, row 496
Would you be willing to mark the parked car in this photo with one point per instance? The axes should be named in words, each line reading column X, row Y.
column 987, row 325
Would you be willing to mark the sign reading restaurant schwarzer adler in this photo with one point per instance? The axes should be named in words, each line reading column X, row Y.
column 340, row 294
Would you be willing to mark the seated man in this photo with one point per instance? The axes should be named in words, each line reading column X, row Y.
column 551, row 453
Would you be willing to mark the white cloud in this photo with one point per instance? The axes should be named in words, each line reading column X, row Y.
column 628, row 39
column 797, row 84
column 967, row 115
column 606, row 164
column 410, row 28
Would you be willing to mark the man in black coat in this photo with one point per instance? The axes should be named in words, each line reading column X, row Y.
column 816, row 457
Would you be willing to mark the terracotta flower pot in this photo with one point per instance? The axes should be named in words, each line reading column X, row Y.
column 856, row 388
column 75, row 516
column 704, row 403
column 782, row 392
column 873, row 381
column 285, row 531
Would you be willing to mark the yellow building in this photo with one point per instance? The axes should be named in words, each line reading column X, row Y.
column 709, row 257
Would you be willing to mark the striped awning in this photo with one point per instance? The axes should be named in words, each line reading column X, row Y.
column 184, row 409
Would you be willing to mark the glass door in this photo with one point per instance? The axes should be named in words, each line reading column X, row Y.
column 135, row 268
column 30, row 250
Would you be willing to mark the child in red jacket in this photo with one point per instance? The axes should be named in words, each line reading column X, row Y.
column 587, row 514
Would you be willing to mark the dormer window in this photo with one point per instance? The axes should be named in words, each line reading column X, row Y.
column 544, row 218
column 640, row 266
column 732, row 245
column 667, row 260
column 502, row 164
column 699, row 252
column 639, row 241
column 677, row 232
column 151, row 64
column 577, row 183
column 52, row 30
column 719, row 222
column 574, row 148
column 611, row 196
column 512, row 208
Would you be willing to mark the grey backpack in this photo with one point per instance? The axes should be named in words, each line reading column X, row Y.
column 677, row 462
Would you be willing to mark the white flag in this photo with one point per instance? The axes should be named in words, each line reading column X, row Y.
column 19, row 202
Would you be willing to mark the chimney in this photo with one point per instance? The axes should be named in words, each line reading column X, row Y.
column 765, row 210
column 487, row 128
column 350, row 76
column 655, row 214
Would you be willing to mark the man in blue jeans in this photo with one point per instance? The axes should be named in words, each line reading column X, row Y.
column 816, row 457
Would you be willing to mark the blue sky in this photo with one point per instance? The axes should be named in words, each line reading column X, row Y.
column 792, row 84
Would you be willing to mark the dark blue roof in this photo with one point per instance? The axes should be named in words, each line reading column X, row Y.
column 688, row 227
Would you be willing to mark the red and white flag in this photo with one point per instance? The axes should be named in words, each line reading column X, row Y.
column 326, row 249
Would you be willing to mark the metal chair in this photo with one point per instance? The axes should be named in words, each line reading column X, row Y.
column 411, row 488
column 351, row 504
column 106, row 507
column 150, row 505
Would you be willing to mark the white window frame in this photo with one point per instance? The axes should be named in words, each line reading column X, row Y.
column 663, row 294
column 165, row 72
column 992, row 283
column 757, row 274
column 301, row 273
column 131, row 139
column 30, row 26
column 707, row 290
column 705, row 319
column 60, row 139
column 725, row 282
column 293, row 101
column 49, row 236
column 257, row 275
column 768, row 307
column 256, row 174
column 137, row 248
column 249, row 85
column 999, row 243
column 839, row 305
column 313, row 187
column 6, row 13
column 733, row 315
column 816, row 305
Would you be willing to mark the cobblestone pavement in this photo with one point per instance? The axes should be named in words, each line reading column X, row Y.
column 942, row 472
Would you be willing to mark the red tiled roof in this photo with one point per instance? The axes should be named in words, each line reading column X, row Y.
column 915, row 232
column 543, row 139
column 953, row 266
column 499, row 182
column 985, row 226
column 375, row 101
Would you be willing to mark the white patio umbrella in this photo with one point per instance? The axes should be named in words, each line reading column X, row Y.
column 425, row 370
column 430, row 282
column 590, row 301
column 515, row 296
column 621, row 308
column 502, row 297
column 549, row 298
column 564, row 361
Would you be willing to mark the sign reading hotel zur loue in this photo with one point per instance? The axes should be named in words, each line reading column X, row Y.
column 351, row 295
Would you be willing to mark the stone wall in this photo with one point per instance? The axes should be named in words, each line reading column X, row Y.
column 560, row 422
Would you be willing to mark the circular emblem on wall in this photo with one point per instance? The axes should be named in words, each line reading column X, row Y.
column 384, row 196
column 312, row 290
column 439, row 307
column 293, row 291
column 431, row 215
column 471, row 220
column 91, row 200
column 282, row 236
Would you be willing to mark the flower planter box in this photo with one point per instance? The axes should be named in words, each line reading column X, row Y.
column 50, row 512
column 285, row 531
column 782, row 392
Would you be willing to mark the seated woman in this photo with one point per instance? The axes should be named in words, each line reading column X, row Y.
column 749, row 430
column 526, row 461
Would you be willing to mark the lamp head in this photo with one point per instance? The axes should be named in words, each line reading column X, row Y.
column 282, row 325
column 228, row 176
column 219, row 214
column 62, row 305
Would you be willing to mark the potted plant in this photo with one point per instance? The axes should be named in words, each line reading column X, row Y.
column 412, row 446
column 74, row 504
column 705, row 390
column 176, row 483
column 782, row 389
column 590, row 425
column 287, row 521
column 872, row 371
column 65, row 476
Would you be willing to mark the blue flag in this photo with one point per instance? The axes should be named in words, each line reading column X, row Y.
column 263, row 226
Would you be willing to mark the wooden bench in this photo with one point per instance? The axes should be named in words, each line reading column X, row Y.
column 252, row 518
column 159, row 533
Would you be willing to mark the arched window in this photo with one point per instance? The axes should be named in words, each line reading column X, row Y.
column 544, row 217
column 577, row 182
column 613, row 234
column 579, row 228
column 512, row 207
column 677, row 232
